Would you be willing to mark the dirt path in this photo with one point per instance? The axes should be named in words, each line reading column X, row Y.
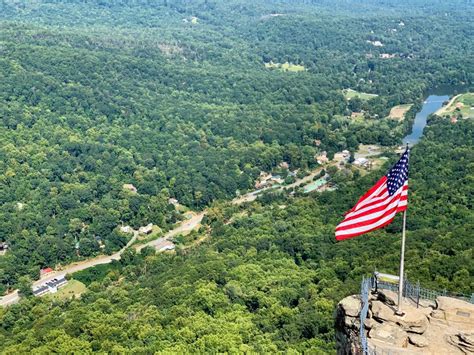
column 444, row 109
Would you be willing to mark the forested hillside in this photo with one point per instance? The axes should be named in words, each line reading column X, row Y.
column 190, row 100
column 269, row 280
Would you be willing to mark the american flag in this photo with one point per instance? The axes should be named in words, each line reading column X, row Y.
column 380, row 204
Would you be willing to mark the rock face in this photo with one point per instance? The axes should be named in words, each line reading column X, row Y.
column 347, row 325
column 442, row 327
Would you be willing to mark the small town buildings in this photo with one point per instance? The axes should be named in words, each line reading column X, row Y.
column 146, row 229
column 322, row 158
column 50, row 286
column 130, row 187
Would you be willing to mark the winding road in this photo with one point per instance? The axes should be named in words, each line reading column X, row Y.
column 183, row 227
column 159, row 244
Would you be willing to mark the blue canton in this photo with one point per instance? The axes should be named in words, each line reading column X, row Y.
column 397, row 176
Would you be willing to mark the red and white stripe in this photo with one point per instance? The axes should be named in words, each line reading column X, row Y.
column 374, row 210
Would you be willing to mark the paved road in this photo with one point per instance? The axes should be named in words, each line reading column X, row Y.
column 159, row 243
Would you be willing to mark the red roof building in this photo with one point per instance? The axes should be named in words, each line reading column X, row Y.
column 46, row 270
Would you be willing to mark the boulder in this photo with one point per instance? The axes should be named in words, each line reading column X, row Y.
column 351, row 306
column 418, row 340
column 382, row 312
column 414, row 320
column 369, row 323
column 427, row 304
column 455, row 311
column 448, row 304
column 463, row 342
column 389, row 333
column 388, row 297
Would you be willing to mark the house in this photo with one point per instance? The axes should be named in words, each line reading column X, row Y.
column 261, row 184
column 167, row 247
column 130, row 187
column 375, row 43
column 50, row 286
column 146, row 229
column 126, row 229
column 454, row 119
column 386, row 56
column 284, row 165
column 322, row 158
column 278, row 179
column 339, row 156
column 3, row 246
column 173, row 201
column 45, row 271
column 357, row 114
column 317, row 142
column 263, row 180
column 361, row 161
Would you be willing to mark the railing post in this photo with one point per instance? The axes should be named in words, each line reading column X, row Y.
column 417, row 293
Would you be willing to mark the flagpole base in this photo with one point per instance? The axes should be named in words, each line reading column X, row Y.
column 399, row 313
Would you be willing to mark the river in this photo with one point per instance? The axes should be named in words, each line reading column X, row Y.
column 431, row 105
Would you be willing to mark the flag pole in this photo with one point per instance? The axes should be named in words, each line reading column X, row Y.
column 402, row 265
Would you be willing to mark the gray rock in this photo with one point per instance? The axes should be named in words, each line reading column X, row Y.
column 388, row 297
column 418, row 340
column 389, row 334
column 414, row 321
column 459, row 341
column 351, row 305
column 369, row 323
column 427, row 304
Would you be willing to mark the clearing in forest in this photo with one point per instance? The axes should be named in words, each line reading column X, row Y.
column 349, row 94
column 461, row 104
column 72, row 288
column 398, row 112
column 285, row 66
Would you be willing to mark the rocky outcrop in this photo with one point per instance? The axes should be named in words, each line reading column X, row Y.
column 347, row 325
column 442, row 327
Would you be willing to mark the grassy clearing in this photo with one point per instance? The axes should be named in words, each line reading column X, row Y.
column 156, row 233
column 462, row 104
column 72, row 288
column 285, row 67
column 349, row 94
column 399, row 112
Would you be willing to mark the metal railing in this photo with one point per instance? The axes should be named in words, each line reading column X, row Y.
column 410, row 290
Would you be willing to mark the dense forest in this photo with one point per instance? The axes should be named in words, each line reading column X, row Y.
column 270, row 274
column 189, row 100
